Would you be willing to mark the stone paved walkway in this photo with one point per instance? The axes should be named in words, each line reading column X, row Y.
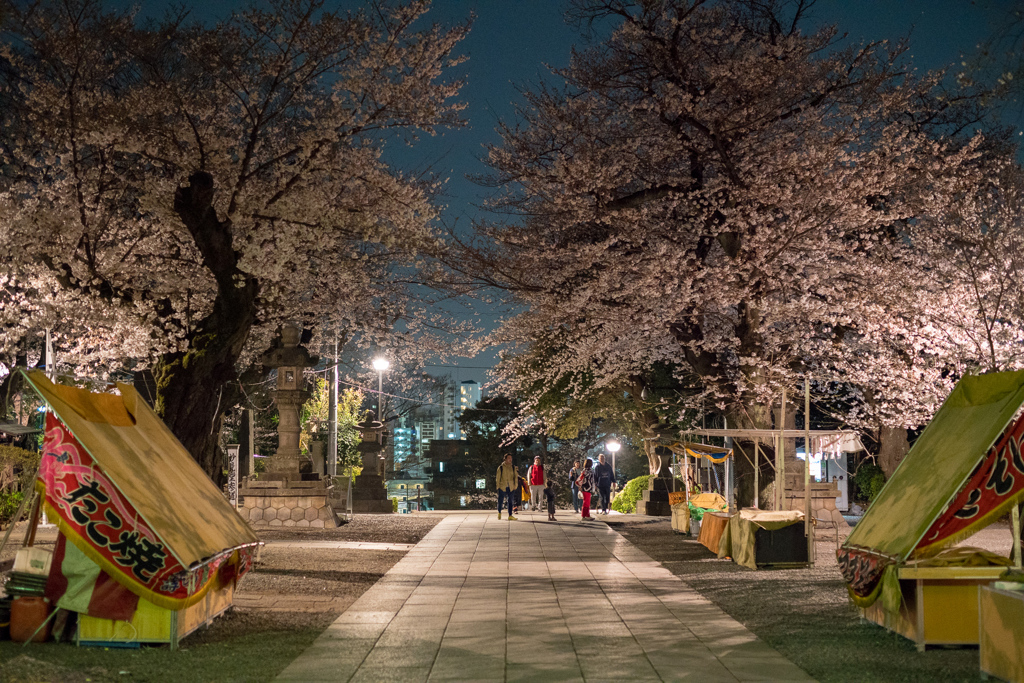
column 485, row 600
column 345, row 545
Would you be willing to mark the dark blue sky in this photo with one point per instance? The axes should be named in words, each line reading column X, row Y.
column 513, row 40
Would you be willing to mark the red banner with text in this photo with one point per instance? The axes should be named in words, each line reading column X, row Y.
column 108, row 529
column 996, row 484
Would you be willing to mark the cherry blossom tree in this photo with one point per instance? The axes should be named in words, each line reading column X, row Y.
column 715, row 188
column 171, row 192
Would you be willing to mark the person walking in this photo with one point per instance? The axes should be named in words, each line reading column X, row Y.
column 604, row 477
column 549, row 495
column 535, row 475
column 586, row 484
column 574, row 474
column 508, row 483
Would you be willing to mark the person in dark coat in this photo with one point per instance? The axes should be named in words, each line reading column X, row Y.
column 574, row 488
column 604, row 477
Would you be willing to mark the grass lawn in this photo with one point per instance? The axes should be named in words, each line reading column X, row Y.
column 245, row 657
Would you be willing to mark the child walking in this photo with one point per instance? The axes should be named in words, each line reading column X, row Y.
column 549, row 496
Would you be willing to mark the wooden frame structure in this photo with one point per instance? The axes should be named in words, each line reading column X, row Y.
column 778, row 437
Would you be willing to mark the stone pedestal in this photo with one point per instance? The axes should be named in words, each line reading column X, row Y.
column 369, row 495
column 655, row 500
column 269, row 503
column 368, row 491
column 823, row 499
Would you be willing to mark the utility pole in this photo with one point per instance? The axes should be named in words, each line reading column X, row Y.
column 332, row 415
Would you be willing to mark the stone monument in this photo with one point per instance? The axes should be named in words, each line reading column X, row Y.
column 282, row 495
column 368, row 492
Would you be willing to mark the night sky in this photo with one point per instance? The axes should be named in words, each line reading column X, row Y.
column 512, row 41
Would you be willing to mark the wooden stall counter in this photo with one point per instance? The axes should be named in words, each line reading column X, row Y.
column 939, row 605
column 712, row 527
column 1001, row 633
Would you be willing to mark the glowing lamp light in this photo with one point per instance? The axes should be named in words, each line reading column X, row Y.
column 381, row 364
column 613, row 446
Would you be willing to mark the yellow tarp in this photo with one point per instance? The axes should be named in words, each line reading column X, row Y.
column 709, row 501
column 939, row 463
column 715, row 454
column 150, row 467
column 738, row 540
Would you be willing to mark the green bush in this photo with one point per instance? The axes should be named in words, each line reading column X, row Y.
column 17, row 467
column 631, row 493
column 394, row 505
column 9, row 503
column 869, row 480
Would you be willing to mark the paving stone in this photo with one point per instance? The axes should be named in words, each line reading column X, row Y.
column 482, row 599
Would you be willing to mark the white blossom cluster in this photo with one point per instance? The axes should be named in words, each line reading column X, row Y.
column 286, row 105
column 717, row 190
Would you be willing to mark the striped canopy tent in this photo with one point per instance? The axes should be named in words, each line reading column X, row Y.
column 964, row 471
column 138, row 517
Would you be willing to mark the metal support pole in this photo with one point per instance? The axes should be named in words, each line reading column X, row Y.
column 332, row 417
column 808, row 528
column 380, row 395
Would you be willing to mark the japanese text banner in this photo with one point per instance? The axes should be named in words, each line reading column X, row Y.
column 107, row 528
column 994, row 485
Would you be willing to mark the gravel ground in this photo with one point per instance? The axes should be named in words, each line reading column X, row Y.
column 378, row 528
column 340, row 574
column 806, row 613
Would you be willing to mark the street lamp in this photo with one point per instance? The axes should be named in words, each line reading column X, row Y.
column 380, row 365
column 613, row 448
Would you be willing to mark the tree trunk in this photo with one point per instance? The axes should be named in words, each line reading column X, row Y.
column 893, row 446
column 751, row 417
column 196, row 387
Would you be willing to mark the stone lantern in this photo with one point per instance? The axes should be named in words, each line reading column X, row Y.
column 282, row 495
column 368, row 492
column 290, row 359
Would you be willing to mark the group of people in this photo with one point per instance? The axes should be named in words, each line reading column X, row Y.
column 537, row 491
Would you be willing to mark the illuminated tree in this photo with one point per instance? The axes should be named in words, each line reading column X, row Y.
column 171, row 192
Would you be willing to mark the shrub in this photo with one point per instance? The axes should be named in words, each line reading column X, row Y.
column 17, row 467
column 869, row 479
column 631, row 493
column 9, row 503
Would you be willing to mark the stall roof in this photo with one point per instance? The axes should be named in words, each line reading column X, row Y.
column 15, row 429
column 824, row 440
column 772, row 433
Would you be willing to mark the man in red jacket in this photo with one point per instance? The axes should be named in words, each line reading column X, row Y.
column 538, row 481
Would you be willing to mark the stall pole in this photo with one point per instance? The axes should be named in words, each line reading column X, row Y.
column 808, row 528
column 1015, row 525
column 686, row 477
column 780, row 456
column 778, row 476
column 728, row 486
column 675, row 470
column 757, row 451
